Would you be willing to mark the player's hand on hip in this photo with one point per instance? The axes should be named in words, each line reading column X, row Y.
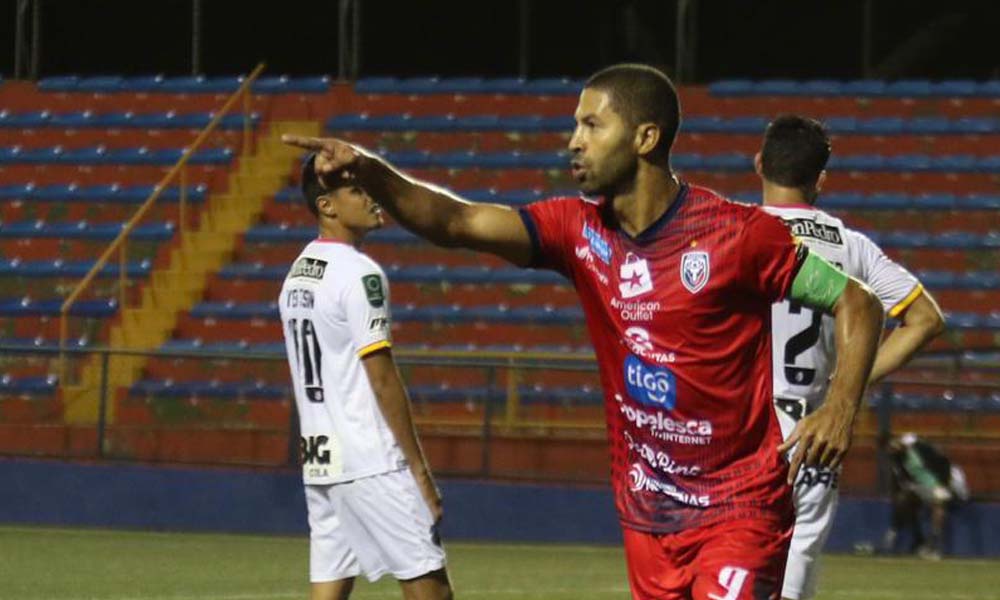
column 820, row 440
column 331, row 154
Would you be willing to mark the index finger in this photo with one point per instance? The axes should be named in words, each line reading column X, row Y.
column 790, row 441
column 306, row 143
column 796, row 464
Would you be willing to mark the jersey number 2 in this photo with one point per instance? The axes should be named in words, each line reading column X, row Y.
column 799, row 343
column 308, row 357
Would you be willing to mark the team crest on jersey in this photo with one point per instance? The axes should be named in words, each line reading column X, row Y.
column 633, row 277
column 695, row 269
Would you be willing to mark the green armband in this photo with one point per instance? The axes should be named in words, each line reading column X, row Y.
column 818, row 284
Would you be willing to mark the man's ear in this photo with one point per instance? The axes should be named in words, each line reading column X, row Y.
column 324, row 204
column 758, row 164
column 647, row 138
column 820, row 181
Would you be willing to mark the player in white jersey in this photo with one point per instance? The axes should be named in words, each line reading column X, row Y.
column 372, row 502
column 791, row 165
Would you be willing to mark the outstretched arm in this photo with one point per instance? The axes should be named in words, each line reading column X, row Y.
column 427, row 210
column 825, row 436
column 921, row 323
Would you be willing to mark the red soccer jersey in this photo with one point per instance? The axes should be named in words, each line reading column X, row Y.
column 680, row 319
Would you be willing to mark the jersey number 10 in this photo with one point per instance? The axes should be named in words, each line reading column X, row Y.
column 308, row 357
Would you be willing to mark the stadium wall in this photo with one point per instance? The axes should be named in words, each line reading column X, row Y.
column 189, row 499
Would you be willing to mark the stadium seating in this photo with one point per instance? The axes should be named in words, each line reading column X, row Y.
column 913, row 168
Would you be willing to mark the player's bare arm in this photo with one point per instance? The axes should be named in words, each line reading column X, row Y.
column 921, row 322
column 429, row 211
column 824, row 437
column 395, row 406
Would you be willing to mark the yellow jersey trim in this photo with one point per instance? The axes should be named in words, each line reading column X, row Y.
column 373, row 347
column 906, row 302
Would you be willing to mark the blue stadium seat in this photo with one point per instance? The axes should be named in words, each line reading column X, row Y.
column 963, row 163
column 552, row 87
column 978, row 280
column 29, row 386
column 752, row 125
column 61, row 268
column 732, row 161
column 26, row 307
column 702, row 125
column 933, row 202
column 64, row 83
column 864, row 88
column 989, row 89
column 376, row 85
column 686, row 161
column 731, row 87
column 821, row 87
column 143, row 84
column 83, row 230
column 17, row 191
column 26, row 120
column 901, row 239
column 284, row 84
column 988, row 164
column 911, row 162
column 857, row 162
column 928, row 126
column 886, row 201
column 842, row 125
column 100, row 85
column 504, row 85
column 982, row 125
column 881, row 126
column 979, row 202
column 955, row 88
column 776, row 87
column 909, row 88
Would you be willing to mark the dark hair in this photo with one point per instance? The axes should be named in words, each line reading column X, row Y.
column 642, row 94
column 313, row 188
column 796, row 150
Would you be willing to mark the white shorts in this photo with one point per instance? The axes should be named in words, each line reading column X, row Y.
column 815, row 496
column 371, row 526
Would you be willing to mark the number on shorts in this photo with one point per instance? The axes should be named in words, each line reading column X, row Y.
column 731, row 579
column 308, row 357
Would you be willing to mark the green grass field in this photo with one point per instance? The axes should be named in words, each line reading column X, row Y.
column 67, row 564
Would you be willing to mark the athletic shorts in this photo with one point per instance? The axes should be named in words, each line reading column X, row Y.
column 815, row 495
column 373, row 526
column 733, row 560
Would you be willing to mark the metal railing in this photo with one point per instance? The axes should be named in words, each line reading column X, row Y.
column 483, row 427
column 179, row 172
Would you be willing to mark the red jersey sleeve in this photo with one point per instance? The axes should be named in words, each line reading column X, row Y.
column 771, row 255
column 549, row 223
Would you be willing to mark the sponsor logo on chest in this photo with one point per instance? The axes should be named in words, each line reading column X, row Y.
column 598, row 245
column 634, row 278
column 310, row 268
column 640, row 342
column 807, row 228
column 650, row 385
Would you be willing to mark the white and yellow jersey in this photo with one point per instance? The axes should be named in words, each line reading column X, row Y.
column 804, row 354
column 334, row 308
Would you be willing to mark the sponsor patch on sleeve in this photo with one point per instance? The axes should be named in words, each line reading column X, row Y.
column 374, row 290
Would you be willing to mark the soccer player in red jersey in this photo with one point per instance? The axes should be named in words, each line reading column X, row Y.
column 676, row 285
